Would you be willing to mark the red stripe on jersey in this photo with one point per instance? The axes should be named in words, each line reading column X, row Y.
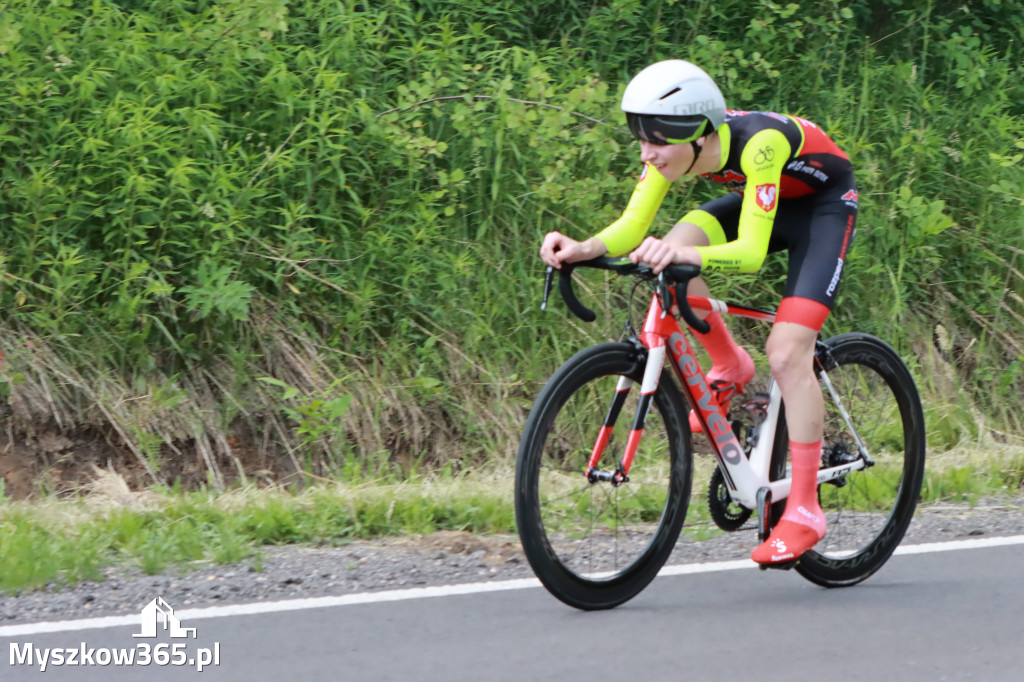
column 791, row 187
column 816, row 141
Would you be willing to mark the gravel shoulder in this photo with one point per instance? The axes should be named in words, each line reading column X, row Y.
column 443, row 558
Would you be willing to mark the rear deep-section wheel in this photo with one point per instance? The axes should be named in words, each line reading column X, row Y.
column 595, row 544
column 868, row 510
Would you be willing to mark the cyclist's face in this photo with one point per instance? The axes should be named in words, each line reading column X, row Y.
column 671, row 160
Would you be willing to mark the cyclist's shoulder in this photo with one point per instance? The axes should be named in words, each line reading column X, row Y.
column 804, row 136
column 758, row 140
column 754, row 121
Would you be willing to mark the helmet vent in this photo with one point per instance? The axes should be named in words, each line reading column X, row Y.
column 670, row 93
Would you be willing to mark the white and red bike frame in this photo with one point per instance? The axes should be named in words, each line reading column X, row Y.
column 747, row 478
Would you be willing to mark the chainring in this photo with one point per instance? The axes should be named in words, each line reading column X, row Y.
column 724, row 512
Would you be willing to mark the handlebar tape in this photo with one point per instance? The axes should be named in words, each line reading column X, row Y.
column 569, row 295
column 681, row 274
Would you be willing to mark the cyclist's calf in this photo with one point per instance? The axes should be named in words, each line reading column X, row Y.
column 790, row 351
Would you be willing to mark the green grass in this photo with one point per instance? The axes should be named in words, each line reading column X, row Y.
column 969, row 477
column 65, row 542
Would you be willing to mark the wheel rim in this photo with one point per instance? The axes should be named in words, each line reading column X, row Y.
column 601, row 531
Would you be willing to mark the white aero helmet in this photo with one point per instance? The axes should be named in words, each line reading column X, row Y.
column 671, row 102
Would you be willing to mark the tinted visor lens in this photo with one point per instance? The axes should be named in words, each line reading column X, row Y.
column 666, row 129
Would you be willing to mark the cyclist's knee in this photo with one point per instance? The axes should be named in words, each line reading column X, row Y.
column 790, row 352
column 686, row 233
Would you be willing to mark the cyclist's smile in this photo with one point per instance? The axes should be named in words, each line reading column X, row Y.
column 671, row 160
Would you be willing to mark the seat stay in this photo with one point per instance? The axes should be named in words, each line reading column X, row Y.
column 837, row 401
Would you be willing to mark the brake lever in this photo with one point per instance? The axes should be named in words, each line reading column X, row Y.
column 664, row 295
column 549, row 280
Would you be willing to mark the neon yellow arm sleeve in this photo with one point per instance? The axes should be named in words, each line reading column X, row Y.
column 762, row 161
column 626, row 233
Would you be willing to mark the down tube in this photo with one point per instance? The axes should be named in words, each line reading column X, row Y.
column 740, row 477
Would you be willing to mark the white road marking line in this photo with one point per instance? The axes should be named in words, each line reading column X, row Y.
column 980, row 543
column 187, row 615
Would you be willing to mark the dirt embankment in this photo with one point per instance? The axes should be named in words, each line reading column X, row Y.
column 51, row 463
column 48, row 461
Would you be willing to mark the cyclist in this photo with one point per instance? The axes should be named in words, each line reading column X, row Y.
column 791, row 188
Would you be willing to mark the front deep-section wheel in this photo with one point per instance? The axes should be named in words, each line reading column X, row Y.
column 872, row 407
column 595, row 544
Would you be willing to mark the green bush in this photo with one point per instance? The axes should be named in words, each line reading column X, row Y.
column 346, row 199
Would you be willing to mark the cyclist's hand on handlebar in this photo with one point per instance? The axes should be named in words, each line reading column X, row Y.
column 557, row 249
column 660, row 254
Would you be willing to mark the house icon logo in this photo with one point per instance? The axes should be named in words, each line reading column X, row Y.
column 158, row 610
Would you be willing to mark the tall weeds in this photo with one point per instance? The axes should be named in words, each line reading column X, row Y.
column 267, row 237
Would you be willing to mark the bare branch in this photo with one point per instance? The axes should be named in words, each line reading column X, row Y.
column 273, row 155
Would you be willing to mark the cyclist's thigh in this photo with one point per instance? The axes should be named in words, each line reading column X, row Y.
column 816, row 263
column 818, row 242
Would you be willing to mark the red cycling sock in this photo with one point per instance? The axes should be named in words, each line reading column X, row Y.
column 803, row 523
column 729, row 362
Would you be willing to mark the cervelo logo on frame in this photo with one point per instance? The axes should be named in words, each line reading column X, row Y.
column 718, row 425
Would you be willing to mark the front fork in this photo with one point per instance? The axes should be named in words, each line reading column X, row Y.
column 618, row 476
column 652, row 374
column 652, row 342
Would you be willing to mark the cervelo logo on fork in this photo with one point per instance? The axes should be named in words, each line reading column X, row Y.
column 718, row 425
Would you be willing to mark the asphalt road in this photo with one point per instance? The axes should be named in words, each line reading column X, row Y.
column 951, row 615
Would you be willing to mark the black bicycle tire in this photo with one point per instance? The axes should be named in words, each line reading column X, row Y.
column 587, row 365
column 868, row 559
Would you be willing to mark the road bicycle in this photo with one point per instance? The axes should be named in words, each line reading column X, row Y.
column 600, row 500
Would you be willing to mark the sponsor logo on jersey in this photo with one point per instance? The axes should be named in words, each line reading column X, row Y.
column 850, row 197
column 842, row 253
column 799, row 166
column 765, row 155
column 835, row 277
column 766, row 196
column 730, row 176
column 731, row 179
